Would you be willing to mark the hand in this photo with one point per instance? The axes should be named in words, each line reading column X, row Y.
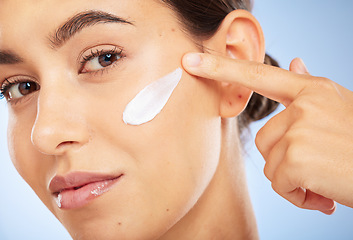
column 308, row 147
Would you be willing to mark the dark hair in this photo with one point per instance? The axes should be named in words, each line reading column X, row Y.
column 201, row 19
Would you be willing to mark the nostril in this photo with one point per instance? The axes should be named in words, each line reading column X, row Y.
column 66, row 143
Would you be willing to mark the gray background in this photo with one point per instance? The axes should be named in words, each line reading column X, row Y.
column 321, row 33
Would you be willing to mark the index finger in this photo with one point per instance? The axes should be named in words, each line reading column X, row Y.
column 272, row 82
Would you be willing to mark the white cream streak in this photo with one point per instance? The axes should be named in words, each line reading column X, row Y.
column 151, row 100
column 58, row 200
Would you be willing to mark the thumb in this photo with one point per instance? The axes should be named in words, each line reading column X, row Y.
column 298, row 66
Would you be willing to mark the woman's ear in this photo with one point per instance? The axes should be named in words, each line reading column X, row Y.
column 240, row 37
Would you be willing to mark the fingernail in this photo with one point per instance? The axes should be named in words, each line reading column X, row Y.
column 302, row 68
column 193, row 59
column 330, row 211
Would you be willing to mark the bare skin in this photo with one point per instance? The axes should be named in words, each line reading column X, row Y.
column 308, row 146
column 183, row 176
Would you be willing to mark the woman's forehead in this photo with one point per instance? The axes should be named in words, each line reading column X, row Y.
column 27, row 20
column 42, row 13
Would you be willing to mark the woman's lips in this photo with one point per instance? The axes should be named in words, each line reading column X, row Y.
column 77, row 189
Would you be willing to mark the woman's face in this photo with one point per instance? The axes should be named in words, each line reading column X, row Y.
column 70, row 84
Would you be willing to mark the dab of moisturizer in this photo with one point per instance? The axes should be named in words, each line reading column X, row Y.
column 58, row 200
column 151, row 100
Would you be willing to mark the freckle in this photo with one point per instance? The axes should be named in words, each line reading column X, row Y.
column 119, row 224
column 168, row 210
column 230, row 103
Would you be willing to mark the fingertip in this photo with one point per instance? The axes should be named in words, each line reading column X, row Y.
column 192, row 60
column 330, row 211
column 293, row 64
column 298, row 66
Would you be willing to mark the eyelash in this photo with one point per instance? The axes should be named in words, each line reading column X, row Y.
column 97, row 53
column 7, row 84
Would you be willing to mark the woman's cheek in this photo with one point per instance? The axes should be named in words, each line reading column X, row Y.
column 192, row 116
column 16, row 138
column 28, row 161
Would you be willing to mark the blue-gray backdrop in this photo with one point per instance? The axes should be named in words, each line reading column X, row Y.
column 320, row 32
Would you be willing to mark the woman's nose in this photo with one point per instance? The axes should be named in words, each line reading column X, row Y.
column 60, row 124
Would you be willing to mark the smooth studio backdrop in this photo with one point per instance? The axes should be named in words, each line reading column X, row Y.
column 320, row 32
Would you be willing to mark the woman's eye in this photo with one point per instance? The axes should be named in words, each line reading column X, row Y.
column 96, row 63
column 19, row 90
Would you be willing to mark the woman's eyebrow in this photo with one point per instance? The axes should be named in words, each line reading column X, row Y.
column 80, row 21
column 9, row 57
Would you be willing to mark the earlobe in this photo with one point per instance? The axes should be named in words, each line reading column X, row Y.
column 234, row 99
column 240, row 37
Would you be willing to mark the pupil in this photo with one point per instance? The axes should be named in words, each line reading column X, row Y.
column 107, row 59
column 27, row 88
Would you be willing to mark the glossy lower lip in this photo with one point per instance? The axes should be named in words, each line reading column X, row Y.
column 77, row 197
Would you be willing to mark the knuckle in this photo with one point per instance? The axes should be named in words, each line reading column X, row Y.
column 296, row 133
column 259, row 139
column 295, row 158
column 304, row 107
column 278, row 178
column 281, row 179
column 275, row 184
column 306, row 183
column 300, row 105
column 291, row 156
column 268, row 172
column 324, row 83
